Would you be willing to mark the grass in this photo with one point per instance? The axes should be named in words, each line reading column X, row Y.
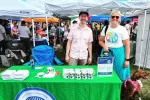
column 145, row 91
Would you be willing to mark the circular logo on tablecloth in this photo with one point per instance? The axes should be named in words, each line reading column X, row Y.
column 112, row 37
column 34, row 94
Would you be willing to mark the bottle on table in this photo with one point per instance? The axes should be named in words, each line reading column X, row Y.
column 32, row 64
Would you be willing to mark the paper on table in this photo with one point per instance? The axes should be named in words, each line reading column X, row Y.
column 21, row 74
column 49, row 75
column 8, row 74
column 38, row 67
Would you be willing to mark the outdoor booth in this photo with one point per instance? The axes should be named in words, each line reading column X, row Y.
column 59, row 82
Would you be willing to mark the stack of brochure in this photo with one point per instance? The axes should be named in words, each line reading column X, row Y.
column 21, row 74
column 8, row 74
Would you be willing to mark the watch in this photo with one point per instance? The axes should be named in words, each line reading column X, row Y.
column 127, row 59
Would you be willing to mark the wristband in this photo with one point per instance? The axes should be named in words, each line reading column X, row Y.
column 127, row 59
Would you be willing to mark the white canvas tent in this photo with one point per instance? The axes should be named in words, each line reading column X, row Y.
column 94, row 6
column 143, row 37
column 25, row 14
column 145, row 40
column 18, row 8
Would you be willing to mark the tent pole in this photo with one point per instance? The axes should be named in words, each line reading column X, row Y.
column 33, row 29
column 142, row 37
column 46, row 12
column 47, row 29
column 147, row 48
column 33, row 32
column 59, row 31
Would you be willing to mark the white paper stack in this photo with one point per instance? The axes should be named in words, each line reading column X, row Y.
column 21, row 74
column 8, row 74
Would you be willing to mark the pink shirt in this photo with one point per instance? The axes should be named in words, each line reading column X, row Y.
column 15, row 30
column 80, row 38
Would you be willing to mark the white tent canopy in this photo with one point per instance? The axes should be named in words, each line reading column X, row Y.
column 18, row 5
column 16, row 14
column 138, row 12
column 66, row 7
column 18, row 8
column 94, row 6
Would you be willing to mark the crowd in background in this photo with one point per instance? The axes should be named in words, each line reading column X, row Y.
column 58, row 32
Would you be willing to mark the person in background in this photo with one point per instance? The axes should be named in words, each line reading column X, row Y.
column 9, row 25
column 135, row 28
column 123, row 23
column 14, row 31
column 102, row 26
column 99, row 47
column 79, row 45
column 116, row 39
column 65, row 35
column 98, row 30
column 89, row 25
column 30, row 28
column 98, row 27
column 52, row 33
column 2, row 38
column 74, row 23
column 44, row 26
column 62, row 28
column 40, row 33
column 7, row 29
column 24, row 36
column 134, row 32
column 93, row 26
column 59, row 33
column 128, row 27
column 37, row 25
column 27, row 24
column 106, row 23
column 65, row 40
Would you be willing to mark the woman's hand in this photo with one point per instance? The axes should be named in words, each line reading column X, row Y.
column 126, row 64
column 106, row 49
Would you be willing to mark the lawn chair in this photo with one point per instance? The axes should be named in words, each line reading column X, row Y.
column 44, row 55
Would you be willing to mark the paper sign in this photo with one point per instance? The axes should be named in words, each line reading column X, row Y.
column 105, row 66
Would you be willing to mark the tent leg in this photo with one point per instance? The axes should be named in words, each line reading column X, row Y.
column 47, row 29
column 147, row 48
column 59, row 33
column 142, row 37
column 33, row 32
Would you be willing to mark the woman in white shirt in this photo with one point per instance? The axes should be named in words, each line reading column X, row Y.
column 116, row 39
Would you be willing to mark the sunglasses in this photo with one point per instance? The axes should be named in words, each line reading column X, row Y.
column 117, row 17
